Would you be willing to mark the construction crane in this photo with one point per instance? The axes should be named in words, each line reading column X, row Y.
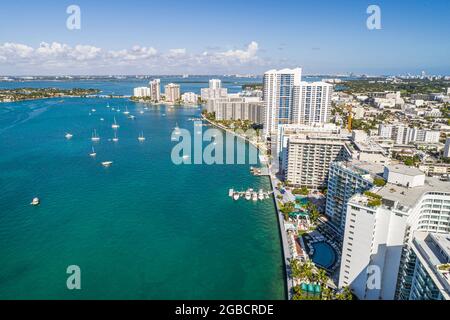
column 349, row 117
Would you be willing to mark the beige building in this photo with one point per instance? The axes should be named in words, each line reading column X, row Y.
column 172, row 92
column 307, row 160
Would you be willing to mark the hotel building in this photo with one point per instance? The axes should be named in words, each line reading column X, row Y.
column 380, row 224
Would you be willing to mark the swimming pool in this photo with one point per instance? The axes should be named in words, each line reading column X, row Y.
column 324, row 255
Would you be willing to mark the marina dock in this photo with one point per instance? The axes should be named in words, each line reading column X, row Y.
column 249, row 194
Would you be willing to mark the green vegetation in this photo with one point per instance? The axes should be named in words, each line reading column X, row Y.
column 302, row 191
column 20, row 94
column 308, row 273
column 286, row 209
column 252, row 86
column 379, row 182
column 374, row 199
column 444, row 267
column 406, row 87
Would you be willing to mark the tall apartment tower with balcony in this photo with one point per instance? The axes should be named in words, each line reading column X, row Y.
column 281, row 96
column 288, row 100
column 155, row 90
column 376, row 258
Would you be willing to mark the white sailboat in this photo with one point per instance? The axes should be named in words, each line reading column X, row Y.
column 93, row 153
column 141, row 137
column 126, row 111
column 95, row 137
column 107, row 105
column 115, row 125
column 248, row 195
column 115, row 139
column 176, row 129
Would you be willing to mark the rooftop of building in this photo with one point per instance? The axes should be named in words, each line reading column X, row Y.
column 407, row 198
column 363, row 167
column 405, row 170
column 434, row 249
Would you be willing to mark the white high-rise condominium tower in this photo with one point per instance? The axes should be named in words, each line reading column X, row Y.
column 288, row 100
column 281, row 93
column 315, row 103
column 379, row 230
column 155, row 89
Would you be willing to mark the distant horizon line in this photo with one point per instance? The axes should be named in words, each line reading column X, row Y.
column 243, row 75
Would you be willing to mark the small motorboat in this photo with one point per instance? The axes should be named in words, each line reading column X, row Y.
column 261, row 195
column 68, row 136
column 236, row 196
column 126, row 111
column 248, row 195
column 107, row 164
column 35, row 202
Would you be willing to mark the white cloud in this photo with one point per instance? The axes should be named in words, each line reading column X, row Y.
column 59, row 57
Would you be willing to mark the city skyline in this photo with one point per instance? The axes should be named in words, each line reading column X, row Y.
column 196, row 38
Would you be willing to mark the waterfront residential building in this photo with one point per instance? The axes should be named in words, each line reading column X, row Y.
column 189, row 98
column 428, row 267
column 308, row 156
column 141, row 92
column 281, row 96
column 235, row 107
column 288, row 100
column 314, row 103
column 215, row 90
column 172, row 92
column 447, row 148
column 155, row 90
column 345, row 179
column 379, row 231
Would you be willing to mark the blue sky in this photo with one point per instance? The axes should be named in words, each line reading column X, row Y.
column 199, row 36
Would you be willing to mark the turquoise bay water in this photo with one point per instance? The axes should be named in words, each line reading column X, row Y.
column 141, row 229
